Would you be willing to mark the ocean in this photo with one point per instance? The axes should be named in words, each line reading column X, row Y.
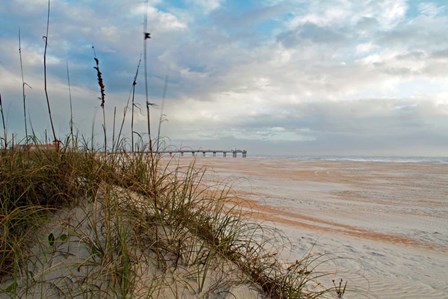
column 383, row 159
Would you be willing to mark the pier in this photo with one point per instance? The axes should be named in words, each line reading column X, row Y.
column 204, row 153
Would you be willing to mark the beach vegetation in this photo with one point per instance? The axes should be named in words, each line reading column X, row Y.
column 79, row 223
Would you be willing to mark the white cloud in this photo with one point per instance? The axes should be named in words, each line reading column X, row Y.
column 341, row 12
column 206, row 5
column 9, row 80
column 365, row 48
column 281, row 56
column 275, row 134
column 41, row 3
column 430, row 9
column 164, row 21
column 159, row 20
column 392, row 12
column 110, row 32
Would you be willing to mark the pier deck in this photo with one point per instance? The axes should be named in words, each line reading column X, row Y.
column 224, row 153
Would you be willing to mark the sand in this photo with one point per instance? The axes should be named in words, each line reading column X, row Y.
column 70, row 267
column 383, row 226
column 72, row 264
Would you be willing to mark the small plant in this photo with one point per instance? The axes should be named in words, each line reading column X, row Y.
column 340, row 290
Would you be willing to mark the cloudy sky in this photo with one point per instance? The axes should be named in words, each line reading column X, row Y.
column 342, row 77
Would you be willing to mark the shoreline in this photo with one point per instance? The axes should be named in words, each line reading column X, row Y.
column 356, row 158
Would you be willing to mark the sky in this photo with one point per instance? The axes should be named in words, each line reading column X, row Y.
column 281, row 77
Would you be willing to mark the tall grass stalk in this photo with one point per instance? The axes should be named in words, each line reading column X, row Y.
column 113, row 128
column 146, row 36
column 134, row 83
column 162, row 115
column 125, row 110
column 5, row 133
column 23, row 87
column 92, row 133
column 71, row 107
column 45, row 37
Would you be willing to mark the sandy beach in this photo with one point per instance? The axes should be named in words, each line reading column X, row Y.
column 383, row 226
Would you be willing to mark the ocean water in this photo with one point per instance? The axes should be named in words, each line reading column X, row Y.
column 381, row 159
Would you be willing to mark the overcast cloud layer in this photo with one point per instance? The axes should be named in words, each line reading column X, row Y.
column 272, row 76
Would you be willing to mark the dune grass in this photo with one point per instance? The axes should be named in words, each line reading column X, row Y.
column 82, row 224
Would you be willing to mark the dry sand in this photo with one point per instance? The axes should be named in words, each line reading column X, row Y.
column 385, row 224
column 71, row 267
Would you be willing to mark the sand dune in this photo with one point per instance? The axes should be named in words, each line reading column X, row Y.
column 384, row 225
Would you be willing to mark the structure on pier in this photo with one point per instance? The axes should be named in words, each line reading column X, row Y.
column 234, row 152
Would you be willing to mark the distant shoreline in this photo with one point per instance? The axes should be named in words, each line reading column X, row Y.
column 383, row 159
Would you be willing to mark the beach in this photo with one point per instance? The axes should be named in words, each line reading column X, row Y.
column 381, row 226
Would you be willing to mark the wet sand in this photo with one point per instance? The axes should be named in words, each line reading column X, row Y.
column 383, row 225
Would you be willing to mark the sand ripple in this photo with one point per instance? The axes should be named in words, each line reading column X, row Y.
column 386, row 224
